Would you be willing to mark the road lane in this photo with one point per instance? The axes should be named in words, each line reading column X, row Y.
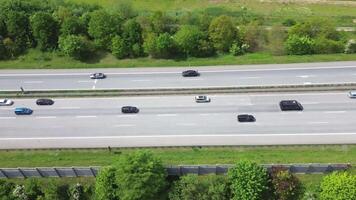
column 171, row 78
column 176, row 118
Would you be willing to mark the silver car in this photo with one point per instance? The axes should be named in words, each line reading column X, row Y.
column 352, row 94
column 6, row 102
column 202, row 99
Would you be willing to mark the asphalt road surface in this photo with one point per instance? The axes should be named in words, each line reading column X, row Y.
column 328, row 118
column 148, row 78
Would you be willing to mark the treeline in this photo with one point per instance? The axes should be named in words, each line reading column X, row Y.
column 142, row 176
column 81, row 31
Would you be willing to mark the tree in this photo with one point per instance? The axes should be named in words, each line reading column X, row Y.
column 188, row 40
column 286, row 185
column 18, row 30
column 33, row 189
column 3, row 51
column 296, row 45
column 338, row 186
column 75, row 46
column 249, row 181
column 119, row 47
column 255, row 36
column 132, row 35
column 210, row 187
column 324, row 46
column 103, row 27
column 72, row 26
column 3, row 29
column 6, row 190
column 45, row 30
column 76, row 192
column 140, row 176
column 106, row 185
column 162, row 23
column 222, row 32
column 162, row 46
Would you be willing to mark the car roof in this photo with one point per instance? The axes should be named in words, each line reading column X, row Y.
column 353, row 92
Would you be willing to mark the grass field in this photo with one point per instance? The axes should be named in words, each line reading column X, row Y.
column 176, row 156
column 35, row 59
column 271, row 11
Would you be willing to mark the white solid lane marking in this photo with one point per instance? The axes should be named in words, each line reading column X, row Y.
column 318, row 122
column 124, row 125
column 335, row 112
column 87, row 116
column 311, row 103
column 6, row 108
column 183, row 136
column 46, row 117
column 166, row 115
column 96, row 80
column 30, row 82
column 7, row 117
column 250, row 77
column 84, row 81
column 307, row 83
column 306, row 76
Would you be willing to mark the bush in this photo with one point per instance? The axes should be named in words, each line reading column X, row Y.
column 119, row 47
column 45, row 30
column 350, row 46
column 325, row 46
column 238, row 50
column 255, row 36
column 4, row 54
column 286, row 186
column 132, row 35
column 338, row 186
column 222, row 33
column 77, row 47
column 249, row 181
column 296, row 45
column 33, row 189
column 140, row 176
column 289, row 22
column 275, row 40
column 314, row 28
column 105, row 185
column 72, row 26
column 161, row 23
column 19, row 193
column 51, row 191
column 209, row 187
column 76, row 192
column 6, row 189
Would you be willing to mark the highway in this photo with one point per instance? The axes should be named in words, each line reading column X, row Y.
column 149, row 78
column 328, row 118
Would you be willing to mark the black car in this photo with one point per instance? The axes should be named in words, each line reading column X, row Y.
column 129, row 109
column 246, row 118
column 286, row 105
column 190, row 73
column 98, row 76
column 42, row 102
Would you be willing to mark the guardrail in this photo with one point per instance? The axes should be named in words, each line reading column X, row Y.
column 175, row 91
column 42, row 172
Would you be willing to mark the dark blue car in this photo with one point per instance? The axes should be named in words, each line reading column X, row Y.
column 23, row 111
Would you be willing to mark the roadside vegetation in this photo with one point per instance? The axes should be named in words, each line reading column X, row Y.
column 71, row 34
column 141, row 175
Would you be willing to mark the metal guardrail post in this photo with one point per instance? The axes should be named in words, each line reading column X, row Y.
column 39, row 172
column 21, row 172
column 75, row 172
column 55, row 169
column 3, row 173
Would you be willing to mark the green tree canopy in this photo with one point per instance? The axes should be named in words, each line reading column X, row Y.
column 132, row 34
column 45, row 30
column 72, row 26
column 249, row 181
column 106, row 186
column 338, row 186
column 222, row 32
column 140, row 176
column 75, row 46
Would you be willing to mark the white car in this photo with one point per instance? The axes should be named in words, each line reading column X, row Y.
column 6, row 102
column 352, row 94
column 202, row 99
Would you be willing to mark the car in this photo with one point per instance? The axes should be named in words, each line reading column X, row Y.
column 352, row 94
column 98, row 76
column 6, row 102
column 23, row 111
column 41, row 102
column 190, row 73
column 129, row 109
column 246, row 118
column 287, row 105
column 202, row 99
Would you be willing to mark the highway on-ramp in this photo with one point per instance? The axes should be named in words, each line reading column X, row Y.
column 156, row 78
column 328, row 118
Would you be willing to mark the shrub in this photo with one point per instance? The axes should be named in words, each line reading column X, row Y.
column 161, row 23
column 72, row 26
column 325, row 46
column 296, row 45
column 140, row 176
column 6, row 189
column 77, row 47
column 209, row 187
column 338, row 186
column 286, row 186
column 132, row 35
column 105, row 185
column 119, row 47
column 350, row 46
column 76, row 192
column 249, row 181
column 4, row 54
column 275, row 40
column 51, row 191
column 45, row 30
column 255, row 36
column 19, row 192
column 314, row 28
column 33, row 189
column 238, row 50
column 289, row 22
column 222, row 33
